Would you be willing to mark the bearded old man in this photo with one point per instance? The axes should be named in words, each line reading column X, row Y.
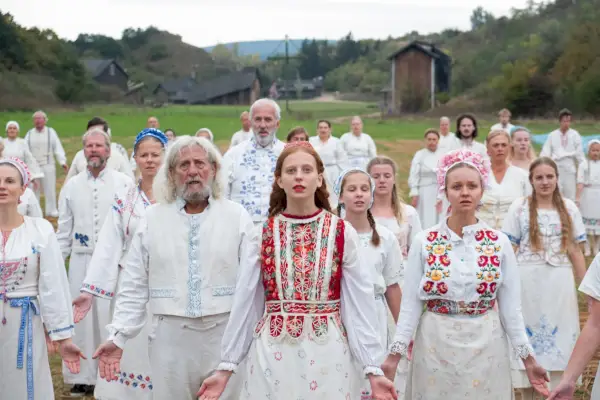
column 187, row 275
column 84, row 202
column 249, row 167
column 47, row 150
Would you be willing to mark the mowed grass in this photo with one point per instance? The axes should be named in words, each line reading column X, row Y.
column 397, row 138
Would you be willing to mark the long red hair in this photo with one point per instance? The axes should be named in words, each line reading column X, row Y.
column 278, row 200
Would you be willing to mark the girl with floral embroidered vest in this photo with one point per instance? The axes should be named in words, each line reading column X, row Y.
column 379, row 249
column 546, row 230
column 388, row 208
column 104, row 271
column 458, row 270
column 588, row 193
column 34, row 295
column 304, row 304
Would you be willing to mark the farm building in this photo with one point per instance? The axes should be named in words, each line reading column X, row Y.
column 107, row 72
column 175, row 91
column 419, row 71
column 303, row 89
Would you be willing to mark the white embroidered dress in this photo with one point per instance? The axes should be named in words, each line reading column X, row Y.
column 334, row 158
column 422, row 181
column 460, row 348
column 405, row 232
column 84, row 203
column 498, row 197
column 33, row 288
column 591, row 287
column 301, row 287
column 249, row 173
column 589, row 176
column 18, row 148
column 360, row 149
column 548, row 286
column 567, row 151
column 103, row 280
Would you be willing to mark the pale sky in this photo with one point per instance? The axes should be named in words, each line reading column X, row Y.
column 208, row 22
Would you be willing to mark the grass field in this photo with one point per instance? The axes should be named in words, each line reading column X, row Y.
column 398, row 138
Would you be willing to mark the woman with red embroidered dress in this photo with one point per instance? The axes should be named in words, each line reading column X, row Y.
column 304, row 303
column 458, row 270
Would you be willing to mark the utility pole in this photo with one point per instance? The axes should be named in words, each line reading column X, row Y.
column 286, row 65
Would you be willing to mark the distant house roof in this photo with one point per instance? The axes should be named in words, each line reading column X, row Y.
column 223, row 85
column 178, row 85
column 95, row 67
column 428, row 48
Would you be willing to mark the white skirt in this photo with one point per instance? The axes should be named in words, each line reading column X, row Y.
column 305, row 369
column 458, row 357
column 13, row 380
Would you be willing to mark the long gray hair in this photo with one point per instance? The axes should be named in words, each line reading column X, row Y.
column 164, row 186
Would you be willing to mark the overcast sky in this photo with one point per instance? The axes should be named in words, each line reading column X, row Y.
column 207, row 22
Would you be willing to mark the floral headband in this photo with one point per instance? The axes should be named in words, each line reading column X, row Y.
column 152, row 132
column 301, row 143
column 20, row 166
column 462, row 156
column 337, row 187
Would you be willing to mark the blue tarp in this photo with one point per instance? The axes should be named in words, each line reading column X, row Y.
column 540, row 139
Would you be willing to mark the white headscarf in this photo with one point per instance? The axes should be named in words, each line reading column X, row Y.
column 12, row 123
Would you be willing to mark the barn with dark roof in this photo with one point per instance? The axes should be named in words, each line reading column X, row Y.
column 107, row 72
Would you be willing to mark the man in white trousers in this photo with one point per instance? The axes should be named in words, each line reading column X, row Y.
column 84, row 202
column 46, row 148
column 183, row 261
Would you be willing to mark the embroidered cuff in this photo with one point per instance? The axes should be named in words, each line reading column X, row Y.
column 400, row 348
column 227, row 366
column 97, row 291
column 61, row 333
column 372, row 370
column 523, row 351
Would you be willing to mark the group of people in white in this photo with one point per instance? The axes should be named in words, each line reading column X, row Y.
column 295, row 270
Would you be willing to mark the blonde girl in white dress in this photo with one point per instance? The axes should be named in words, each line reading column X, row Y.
column 522, row 153
column 359, row 146
column 506, row 182
column 104, row 273
column 332, row 153
column 546, row 231
column 34, row 296
column 588, row 341
column 422, row 180
column 588, row 194
column 379, row 250
column 28, row 203
column 465, row 275
column 388, row 208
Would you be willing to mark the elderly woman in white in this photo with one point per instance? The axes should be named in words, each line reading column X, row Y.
column 422, row 180
column 14, row 146
column 206, row 133
column 359, row 146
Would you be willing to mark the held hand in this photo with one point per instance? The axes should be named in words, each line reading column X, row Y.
column 414, row 201
column 71, row 355
column 564, row 391
column 65, row 168
column 390, row 365
column 81, row 306
column 109, row 357
column 382, row 388
column 214, row 385
column 538, row 378
column 51, row 345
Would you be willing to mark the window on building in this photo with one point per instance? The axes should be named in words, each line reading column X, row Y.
column 111, row 70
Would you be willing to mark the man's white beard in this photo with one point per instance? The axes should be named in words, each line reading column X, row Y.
column 100, row 162
column 195, row 197
column 266, row 140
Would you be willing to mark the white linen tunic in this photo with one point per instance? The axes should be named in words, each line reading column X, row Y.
column 591, row 287
column 506, row 128
column 300, row 330
column 18, row 148
column 188, row 280
column 29, row 204
column 589, row 176
column 84, row 204
column 385, row 262
column 360, row 149
column 549, row 295
column 407, row 230
column 422, row 181
column 103, row 280
column 240, row 137
column 33, row 289
column 498, row 197
column 335, row 160
column 249, row 170
column 460, row 348
column 567, row 151
column 116, row 161
column 447, row 143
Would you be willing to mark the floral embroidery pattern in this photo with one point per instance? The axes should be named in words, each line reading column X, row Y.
column 83, row 239
column 438, row 262
column 543, row 338
column 440, row 306
column 12, row 273
column 135, row 381
column 488, row 262
column 98, row 290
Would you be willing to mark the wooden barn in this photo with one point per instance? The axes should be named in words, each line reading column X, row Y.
column 107, row 72
column 241, row 87
column 419, row 71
